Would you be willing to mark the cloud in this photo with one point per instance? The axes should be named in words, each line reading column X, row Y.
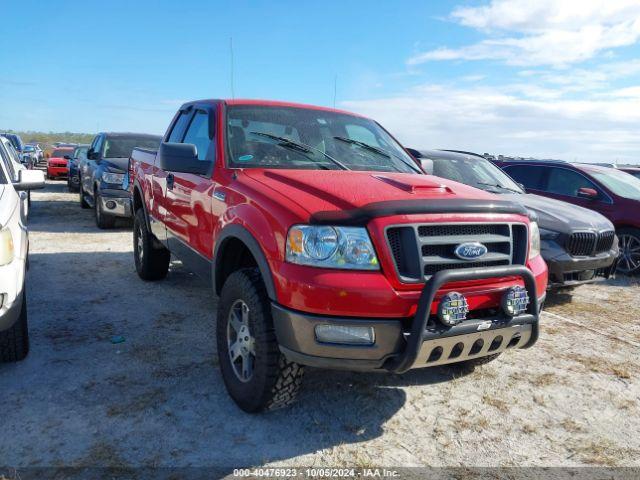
column 503, row 120
column 542, row 32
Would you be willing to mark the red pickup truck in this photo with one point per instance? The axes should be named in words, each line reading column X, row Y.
column 329, row 247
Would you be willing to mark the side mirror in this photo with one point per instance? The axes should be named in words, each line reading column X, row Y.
column 92, row 155
column 29, row 180
column 427, row 165
column 181, row 158
column 67, row 157
column 590, row 193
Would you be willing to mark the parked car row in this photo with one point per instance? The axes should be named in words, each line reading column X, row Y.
column 579, row 245
column 613, row 193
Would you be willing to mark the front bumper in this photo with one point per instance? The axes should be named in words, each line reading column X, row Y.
column 57, row 171
column 403, row 344
column 568, row 271
column 116, row 203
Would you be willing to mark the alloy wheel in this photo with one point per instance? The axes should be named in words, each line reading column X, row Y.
column 139, row 245
column 240, row 342
column 629, row 260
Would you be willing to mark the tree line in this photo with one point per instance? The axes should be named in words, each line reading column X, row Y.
column 52, row 137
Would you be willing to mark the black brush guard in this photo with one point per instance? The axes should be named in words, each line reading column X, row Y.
column 420, row 333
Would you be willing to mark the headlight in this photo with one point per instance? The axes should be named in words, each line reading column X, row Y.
column 548, row 234
column 6, row 247
column 113, row 178
column 331, row 247
column 534, row 240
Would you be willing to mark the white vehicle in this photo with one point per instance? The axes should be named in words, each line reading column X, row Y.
column 13, row 166
column 14, row 248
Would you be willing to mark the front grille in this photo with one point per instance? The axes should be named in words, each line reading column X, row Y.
column 581, row 244
column 605, row 241
column 585, row 244
column 420, row 251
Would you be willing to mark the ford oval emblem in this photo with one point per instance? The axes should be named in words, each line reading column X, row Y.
column 470, row 251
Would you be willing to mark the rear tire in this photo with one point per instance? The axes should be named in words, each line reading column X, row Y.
column 629, row 243
column 14, row 342
column 256, row 374
column 103, row 220
column 152, row 262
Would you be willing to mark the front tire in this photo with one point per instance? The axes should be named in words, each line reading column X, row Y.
column 629, row 243
column 103, row 220
column 256, row 374
column 83, row 202
column 152, row 262
column 14, row 342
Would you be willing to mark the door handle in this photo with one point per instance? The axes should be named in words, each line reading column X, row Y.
column 170, row 181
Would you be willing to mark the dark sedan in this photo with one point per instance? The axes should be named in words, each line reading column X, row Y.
column 613, row 193
column 579, row 245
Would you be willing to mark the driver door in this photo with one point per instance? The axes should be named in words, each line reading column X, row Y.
column 188, row 199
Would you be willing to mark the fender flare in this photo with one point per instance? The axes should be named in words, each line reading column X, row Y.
column 241, row 233
column 137, row 187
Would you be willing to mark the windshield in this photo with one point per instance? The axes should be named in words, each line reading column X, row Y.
column 60, row 153
column 620, row 183
column 300, row 138
column 474, row 171
column 29, row 148
column 121, row 147
column 16, row 141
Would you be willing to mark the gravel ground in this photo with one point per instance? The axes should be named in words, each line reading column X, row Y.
column 157, row 399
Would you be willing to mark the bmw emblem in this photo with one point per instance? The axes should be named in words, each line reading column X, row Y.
column 470, row 251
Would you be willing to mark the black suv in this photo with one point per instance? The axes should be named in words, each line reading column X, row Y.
column 565, row 229
column 103, row 174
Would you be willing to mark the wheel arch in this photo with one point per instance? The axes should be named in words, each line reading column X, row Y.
column 137, row 202
column 229, row 245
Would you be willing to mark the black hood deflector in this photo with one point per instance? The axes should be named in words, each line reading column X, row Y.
column 361, row 216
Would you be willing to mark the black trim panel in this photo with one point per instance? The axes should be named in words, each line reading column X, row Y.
column 242, row 234
column 194, row 261
column 362, row 216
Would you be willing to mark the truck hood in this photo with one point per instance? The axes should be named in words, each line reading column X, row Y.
column 326, row 191
column 561, row 216
column 116, row 163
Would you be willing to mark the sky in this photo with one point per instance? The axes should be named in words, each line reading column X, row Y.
column 544, row 78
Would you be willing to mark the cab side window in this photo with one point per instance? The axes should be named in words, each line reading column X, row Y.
column 531, row 176
column 567, row 182
column 8, row 164
column 177, row 132
column 198, row 134
column 96, row 145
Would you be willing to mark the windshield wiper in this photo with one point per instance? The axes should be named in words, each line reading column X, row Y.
column 379, row 151
column 284, row 141
column 497, row 185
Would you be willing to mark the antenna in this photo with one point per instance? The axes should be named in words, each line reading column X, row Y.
column 335, row 90
column 233, row 93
